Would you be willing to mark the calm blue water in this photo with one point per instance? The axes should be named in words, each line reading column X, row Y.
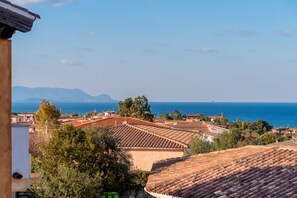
column 277, row 114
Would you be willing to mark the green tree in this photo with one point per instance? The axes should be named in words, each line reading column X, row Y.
column 110, row 159
column 166, row 116
column 176, row 115
column 262, row 127
column 47, row 114
column 137, row 108
column 138, row 179
column 269, row 138
column 226, row 140
column 94, row 152
column 125, row 107
column 221, row 121
column 69, row 183
column 204, row 118
column 198, row 146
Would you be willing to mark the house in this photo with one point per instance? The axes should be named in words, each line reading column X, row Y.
column 251, row 171
column 193, row 116
column 23, row 118
column 21, row 160
column 216, row 117
column 109, row 113
column 147, row 143
column 207, row 130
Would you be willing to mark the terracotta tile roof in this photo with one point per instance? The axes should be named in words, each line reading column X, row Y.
column 75, row 122
column 193, row 126
column 185, row 123
column 113, row 121
column 286, row 144
column 144, row 137
column 181, row 136
column 251, row 171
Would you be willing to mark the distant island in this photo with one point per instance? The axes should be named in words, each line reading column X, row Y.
column 25, row 94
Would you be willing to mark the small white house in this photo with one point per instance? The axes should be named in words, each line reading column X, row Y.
column 21, row 159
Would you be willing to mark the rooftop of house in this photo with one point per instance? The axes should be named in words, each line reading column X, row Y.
column 286, row 144
column 201, row 127
column 152, row 137
column 251, row 171
column 112, row 122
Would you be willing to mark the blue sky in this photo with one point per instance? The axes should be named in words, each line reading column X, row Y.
column 168, row 50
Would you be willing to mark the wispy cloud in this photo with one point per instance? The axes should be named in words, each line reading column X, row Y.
column 24, row 2
column 69, row 62
column 203, row 50
column 92, row 33
column 240, row 32
column 85, row 49
column 285, row 32
column 57, row 3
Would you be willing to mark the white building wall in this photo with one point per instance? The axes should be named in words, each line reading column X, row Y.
column 21, row 161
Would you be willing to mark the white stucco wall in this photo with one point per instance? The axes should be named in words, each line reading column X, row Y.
column 21, row 161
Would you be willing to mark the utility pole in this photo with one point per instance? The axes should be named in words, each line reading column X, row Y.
column 46, row 129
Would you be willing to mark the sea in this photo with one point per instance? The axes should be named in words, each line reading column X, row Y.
column 276, row 114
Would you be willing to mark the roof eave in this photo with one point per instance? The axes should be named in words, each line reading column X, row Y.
column 157, row 195
column 152, row 148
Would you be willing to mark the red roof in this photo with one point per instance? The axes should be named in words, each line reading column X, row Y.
column 114, row 121
column 144, row 136
column 251, row 171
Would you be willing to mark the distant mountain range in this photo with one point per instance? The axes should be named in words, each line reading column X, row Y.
column 25, row 94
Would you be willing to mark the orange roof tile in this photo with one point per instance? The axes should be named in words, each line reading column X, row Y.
column 143, row 136
column 251, row 171
column 193, row 126
column 181, row 136
column 113, row 121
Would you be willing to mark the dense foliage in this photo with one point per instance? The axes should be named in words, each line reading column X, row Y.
column 260, row 126
column 86, row 154
column 200, row 146
column 137, row 108
column 204, row 118
column 138, row 179
column 69, row 183
column 175, row 115
column 47, row 114
column 221, row 121
column 239, row 134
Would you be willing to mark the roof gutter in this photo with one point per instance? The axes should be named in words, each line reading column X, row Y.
column 157, row 195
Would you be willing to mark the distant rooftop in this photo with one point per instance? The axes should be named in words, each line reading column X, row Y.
column 113, row 121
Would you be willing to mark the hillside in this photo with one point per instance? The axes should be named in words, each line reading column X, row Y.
column 24, row 94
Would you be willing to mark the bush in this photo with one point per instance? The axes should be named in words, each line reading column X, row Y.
column 87, row 154
column 69, row 183
column 198, row 146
